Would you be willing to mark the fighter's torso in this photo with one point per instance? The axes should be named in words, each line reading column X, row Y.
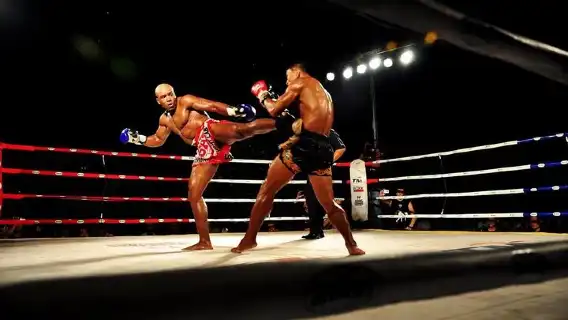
column 316, row 107
column 184, row 121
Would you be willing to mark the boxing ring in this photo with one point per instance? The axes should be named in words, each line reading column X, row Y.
column 30, row 268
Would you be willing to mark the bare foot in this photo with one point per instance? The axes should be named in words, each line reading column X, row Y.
column 244, row 245
column 355, row 251
column 199, row 246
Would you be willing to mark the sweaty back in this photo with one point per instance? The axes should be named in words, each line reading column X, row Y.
column 316, row 106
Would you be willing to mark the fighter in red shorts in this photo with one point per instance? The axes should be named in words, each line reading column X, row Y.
column 187, row 117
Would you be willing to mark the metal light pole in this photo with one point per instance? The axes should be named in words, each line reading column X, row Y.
column 374, row 109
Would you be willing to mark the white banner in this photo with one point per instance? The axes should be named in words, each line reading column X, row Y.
column 359, row 194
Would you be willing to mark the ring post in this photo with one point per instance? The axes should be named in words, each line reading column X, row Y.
column 359, row 195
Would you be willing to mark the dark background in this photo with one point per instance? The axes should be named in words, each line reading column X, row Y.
column 77, row 72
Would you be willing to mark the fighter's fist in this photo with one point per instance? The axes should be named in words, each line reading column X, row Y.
column 271, row 94
column 244, row 111
column 262, row 91
column 259, row 89
column 129, row 136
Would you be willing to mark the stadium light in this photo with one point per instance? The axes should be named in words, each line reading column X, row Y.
column 348, row 72
column 406, row 57
column 375, row 63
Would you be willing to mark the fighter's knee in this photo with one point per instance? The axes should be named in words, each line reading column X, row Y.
column 265, row 195
column 193, row 196
column 262, row 197
column 332, row 208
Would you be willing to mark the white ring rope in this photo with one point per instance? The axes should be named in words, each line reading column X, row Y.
column 418, row 196
column 475, row 193
column 472, row 149
column 403, row 215
column 253, row 161
column 479, row 172
column 258, row 181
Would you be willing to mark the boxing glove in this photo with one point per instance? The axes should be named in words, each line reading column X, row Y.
column 271, row 94
column 262, row 91
column 244, row 111
column 129, row 136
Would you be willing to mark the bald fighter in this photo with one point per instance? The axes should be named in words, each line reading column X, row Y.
column 309, row 151
column 187, row 117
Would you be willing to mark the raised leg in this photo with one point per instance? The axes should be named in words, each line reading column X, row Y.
column 323, row 188
column 231, row 132
column 198, row 181
column 278, row 176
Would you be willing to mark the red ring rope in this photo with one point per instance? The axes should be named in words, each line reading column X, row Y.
column 19, row 147
column 110, row 176
column 128, row 221
column 27, row 148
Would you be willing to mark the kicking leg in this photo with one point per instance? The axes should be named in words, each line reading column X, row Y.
column 231, row 132
column 198, row 181
column 323, row 188
column 278, row 176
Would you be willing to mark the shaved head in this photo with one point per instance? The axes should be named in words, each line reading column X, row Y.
column 163, row 88
column 165, row 96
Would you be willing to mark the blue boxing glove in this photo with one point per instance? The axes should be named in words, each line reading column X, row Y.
column 129, row 136
column 244, row 111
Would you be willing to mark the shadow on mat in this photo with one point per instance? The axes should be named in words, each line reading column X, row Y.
column 288, row 290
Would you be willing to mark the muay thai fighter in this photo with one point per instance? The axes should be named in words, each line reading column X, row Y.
column 187, row 117
column 309, row 151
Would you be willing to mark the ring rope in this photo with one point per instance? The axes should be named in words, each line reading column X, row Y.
column 461, row 194
column 136, row 177
column 21, row 196
column 186, row 220
column 472, row 149
column 236, row 200
column 480, row 172
column 247, row 181
column 475, row 215
column 133, row 221
column 477, row 193
column 20, row 147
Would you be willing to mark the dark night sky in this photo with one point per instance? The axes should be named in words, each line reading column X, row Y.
column 81, row 71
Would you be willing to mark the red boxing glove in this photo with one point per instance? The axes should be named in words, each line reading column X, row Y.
column 260, row 90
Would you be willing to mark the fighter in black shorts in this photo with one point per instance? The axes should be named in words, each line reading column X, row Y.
column 309, row 150
column 316, row 212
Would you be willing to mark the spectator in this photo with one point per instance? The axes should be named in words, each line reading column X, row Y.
column 403, row 207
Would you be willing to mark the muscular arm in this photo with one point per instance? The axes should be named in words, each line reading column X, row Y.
column 201, row 104
column 275, row 107
column 158, row 138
